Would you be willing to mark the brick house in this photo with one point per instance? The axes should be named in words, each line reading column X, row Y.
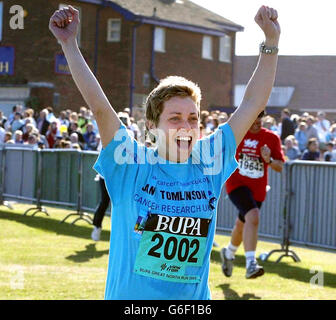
column 302, row 83
column 128, row 44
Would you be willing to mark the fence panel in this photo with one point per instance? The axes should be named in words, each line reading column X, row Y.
column 312, row 204
column 309, row 186
column 90, row 192
column 60, row 177
column 20, row 172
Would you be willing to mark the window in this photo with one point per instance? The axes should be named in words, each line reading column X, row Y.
column 207, row 48
column 225, row 49
column 80, row 18
column 280, row 96
column 159, row 39
column 113, row 30
column 1, row 17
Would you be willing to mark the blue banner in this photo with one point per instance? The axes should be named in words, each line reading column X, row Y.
column 61, row 64
column 7, row 59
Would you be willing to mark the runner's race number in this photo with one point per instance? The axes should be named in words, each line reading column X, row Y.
column 251, row 167
column 186, row 250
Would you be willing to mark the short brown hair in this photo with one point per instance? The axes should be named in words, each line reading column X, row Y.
column 169, row 87
column 311, row 141
column 29, row 112
column 286, row 111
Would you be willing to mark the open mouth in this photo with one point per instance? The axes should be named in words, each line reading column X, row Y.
column 184, row 142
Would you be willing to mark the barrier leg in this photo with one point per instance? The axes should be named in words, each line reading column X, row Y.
column 291, row 254
column 82, row 216
column 36, row 210
column 284, row 249
column 41, row 209
column 286, row 221
column 287, row 253
column 38, row 207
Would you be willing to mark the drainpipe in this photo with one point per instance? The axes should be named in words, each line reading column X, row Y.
column 95, row 63
column 132, row 84
column 233, row 80
column 152, row 67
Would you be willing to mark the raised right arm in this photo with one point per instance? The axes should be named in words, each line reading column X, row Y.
column 64, row 26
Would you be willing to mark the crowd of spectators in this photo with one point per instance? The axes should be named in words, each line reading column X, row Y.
column 306, row 137
column 303, row 137
column 68, row 130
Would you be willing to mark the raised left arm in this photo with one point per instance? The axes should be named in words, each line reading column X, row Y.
column 260, row 85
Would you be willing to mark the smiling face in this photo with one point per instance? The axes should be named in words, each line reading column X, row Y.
column 178, row 129
column 172, row 116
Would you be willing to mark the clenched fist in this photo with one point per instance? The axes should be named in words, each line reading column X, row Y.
column 64, row 24
column 267, row 20
column 265, row 153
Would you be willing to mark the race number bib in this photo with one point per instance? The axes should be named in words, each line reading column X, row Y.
column 250, row 167
column 169, row 245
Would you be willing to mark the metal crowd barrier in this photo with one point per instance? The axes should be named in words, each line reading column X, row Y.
column 312, row 203
column 300, row 207
column 50, row 176
column 18, row 165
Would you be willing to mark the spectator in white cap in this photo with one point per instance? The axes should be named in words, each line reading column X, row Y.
column 322, row 126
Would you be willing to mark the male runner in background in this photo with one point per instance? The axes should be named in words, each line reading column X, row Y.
column 259, row 149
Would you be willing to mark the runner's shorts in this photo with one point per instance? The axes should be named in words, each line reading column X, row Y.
column 242, row 198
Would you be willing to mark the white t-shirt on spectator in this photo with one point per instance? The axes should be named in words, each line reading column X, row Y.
column 322, row 132
column 134, row 127
column 2, row 134
column 51, row 117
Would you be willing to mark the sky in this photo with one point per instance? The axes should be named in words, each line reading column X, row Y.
column 307, row 27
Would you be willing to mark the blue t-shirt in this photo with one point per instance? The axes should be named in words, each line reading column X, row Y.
column 312, row 156
column 163, row 216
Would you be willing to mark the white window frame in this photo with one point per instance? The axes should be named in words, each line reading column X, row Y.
column 116, row 30
column 279, row 97
column 1, row 19
column 159, row 39
column 79, row 35
column 207, row 47
column 225, row 49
